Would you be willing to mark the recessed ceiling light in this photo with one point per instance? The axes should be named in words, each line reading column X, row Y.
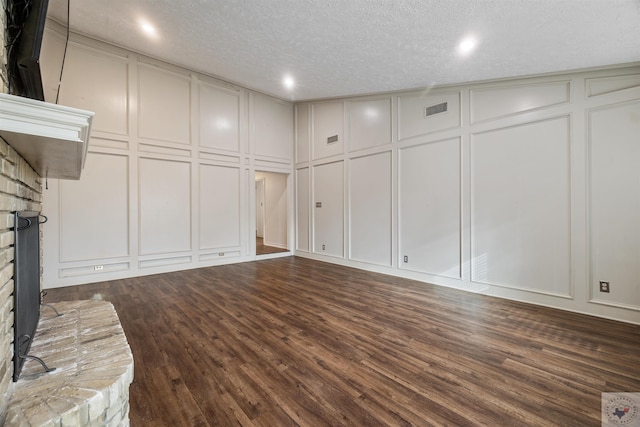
column 148, row 29
column 467, row 45
column 288, row 82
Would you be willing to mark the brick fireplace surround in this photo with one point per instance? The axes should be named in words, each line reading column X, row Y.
column 93, row 370
column 86, row 345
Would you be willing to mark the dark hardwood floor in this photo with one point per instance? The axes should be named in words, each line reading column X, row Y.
column 291, row 341
column 262, row 249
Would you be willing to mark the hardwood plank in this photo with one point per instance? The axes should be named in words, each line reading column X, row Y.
column 296, row 342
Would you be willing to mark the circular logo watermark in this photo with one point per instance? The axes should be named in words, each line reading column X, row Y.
column 621, row 410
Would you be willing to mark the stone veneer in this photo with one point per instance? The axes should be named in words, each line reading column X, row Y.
column 93, row 370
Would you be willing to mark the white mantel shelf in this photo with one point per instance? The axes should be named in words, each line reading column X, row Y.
column 52, row 138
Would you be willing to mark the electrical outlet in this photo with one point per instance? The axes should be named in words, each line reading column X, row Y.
column 323, row 247
column 406, row 258
column 98, row 267
column 220, row 253
column 604, row 287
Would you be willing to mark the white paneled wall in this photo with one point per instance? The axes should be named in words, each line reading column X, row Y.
column 614, row 154
column 369, row 124
column 520, row 207
column 272, row 122
column 524, row 189
column 328, row 209
column 370, row 208
column 163, row 105
column 168, row 182
column 96, row 210
column 429, row 200
column 219, row 117
column 303, row 211
column 219, row 209
column 327, row 126
column 164, row 206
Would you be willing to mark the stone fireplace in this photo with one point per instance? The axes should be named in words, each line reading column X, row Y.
column 93, row 370
column 86, row 344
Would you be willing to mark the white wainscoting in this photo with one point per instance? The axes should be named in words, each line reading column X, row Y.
column 219, row 202
column 430, row 208
column 303, row 212
column 164, row 206
column 514, row 99
column 370, row 209
column 97, row 81
column 614, row 153
column 524, row 188
column 219, row 117
column 168, row 182
column 369, row 123
column 328, row 209
column 520, row 207
column 164, row 104
column 327, row 124
column 412, row 119
column 272, row 122
column 94, row 212
column 302, row 133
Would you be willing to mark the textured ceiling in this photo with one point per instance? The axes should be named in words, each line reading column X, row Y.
column 348, row 47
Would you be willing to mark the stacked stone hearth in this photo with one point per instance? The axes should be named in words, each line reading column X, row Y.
column 93, row 370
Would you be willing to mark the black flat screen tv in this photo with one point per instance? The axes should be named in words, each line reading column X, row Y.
column 26, row 20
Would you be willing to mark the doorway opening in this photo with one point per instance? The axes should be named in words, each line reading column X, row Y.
column 272, row 207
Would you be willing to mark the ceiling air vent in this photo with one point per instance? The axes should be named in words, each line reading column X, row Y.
column 435, row 109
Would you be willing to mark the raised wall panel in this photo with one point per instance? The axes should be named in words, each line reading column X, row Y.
column 219, row 207
column 164, row 106
column 164, row 206
column 328, row 209
column 118, row 144
column 520, row 213
column 98, row 82
column 219, row 121
column 328, row 129
column 302, row 133
column 272, row 127
column 498, row 102
column 369, row 123
column 94, row 211
column 429, row 208
column 602, row 85
column 302, row 209
column 89, row 270
column 412, row 118
column 370, row 209
column 614, row 143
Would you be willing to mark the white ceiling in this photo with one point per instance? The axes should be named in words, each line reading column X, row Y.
column 349, row 47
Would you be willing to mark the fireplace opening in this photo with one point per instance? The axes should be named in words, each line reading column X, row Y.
column 26, row 293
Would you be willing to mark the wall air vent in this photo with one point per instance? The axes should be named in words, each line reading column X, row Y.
column 435, row 109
